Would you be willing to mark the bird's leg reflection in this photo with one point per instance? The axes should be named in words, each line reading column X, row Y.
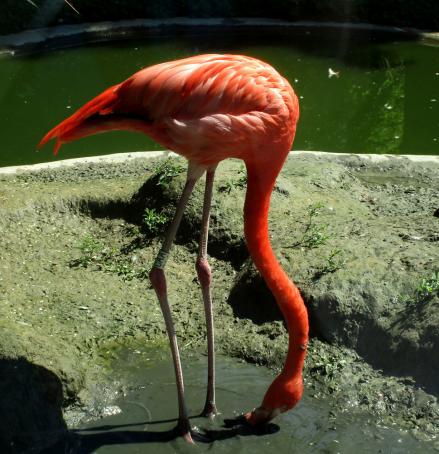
column 236, row 427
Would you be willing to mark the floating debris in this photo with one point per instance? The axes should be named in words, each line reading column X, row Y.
column 332, row 73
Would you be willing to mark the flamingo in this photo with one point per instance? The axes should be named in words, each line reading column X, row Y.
column 208, row 108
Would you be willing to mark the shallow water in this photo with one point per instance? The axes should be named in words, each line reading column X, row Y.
column 146, row 416
column 385, row 100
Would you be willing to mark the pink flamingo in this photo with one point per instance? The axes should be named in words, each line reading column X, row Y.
column 208, row 108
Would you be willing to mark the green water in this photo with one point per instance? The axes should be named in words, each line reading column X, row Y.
column 146, row 416
column 385, row 100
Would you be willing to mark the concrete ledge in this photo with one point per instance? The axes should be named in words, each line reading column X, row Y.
column 100, row 30
column 109, row 158
column 123, row 157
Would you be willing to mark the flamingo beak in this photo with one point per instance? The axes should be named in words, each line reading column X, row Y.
column 261, row 415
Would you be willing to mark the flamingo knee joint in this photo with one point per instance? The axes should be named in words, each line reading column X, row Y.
column 204, row 272
column 158, row 280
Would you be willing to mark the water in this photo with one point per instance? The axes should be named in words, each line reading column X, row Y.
column 147, row 416
column 385, row 100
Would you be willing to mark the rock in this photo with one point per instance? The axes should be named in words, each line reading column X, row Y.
column 71, row 293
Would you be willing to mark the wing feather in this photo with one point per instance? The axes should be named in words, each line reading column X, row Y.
column 191, row 105
column 195, row 88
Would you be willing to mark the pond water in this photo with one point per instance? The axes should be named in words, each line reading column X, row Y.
column 385, row 98
column 143, row 418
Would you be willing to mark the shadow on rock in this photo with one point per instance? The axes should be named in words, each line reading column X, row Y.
column 400, row 343
column 161, row 197
column 250, row 297
column 30, row 405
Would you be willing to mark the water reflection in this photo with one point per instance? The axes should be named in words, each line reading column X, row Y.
column 384, row 99
column 144, row 422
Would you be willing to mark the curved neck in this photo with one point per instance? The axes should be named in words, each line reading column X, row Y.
column 260, row 183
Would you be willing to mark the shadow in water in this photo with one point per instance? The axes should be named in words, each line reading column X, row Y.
column 84, row 442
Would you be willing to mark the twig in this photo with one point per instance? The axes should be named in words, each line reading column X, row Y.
column 32, row 3
column 71, row 6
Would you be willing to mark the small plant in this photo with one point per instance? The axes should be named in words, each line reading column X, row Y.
column 315, row 234
column 154, row 221
column 123, row 269
column 328, row 367
column 167, row 170
column 92, row 251
column 239, row 183
column 226, row 187
column 103, row 258
column 334, row 262
column 428, row 287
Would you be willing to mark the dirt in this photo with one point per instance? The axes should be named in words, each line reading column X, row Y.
column 360, row 239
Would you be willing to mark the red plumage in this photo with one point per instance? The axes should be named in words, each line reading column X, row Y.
column 64, row 132
column 207, row 108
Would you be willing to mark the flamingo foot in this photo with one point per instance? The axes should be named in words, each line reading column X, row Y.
column 209, row 411
column 184, row 429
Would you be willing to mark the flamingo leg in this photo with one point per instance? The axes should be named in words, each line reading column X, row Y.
column 205, row 278
column 158, row 281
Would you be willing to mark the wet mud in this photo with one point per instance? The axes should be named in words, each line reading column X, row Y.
column 360, row 238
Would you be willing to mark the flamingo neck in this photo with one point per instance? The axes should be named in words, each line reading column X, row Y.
column 257, row 203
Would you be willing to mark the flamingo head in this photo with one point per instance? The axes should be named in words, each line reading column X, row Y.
column 281, row 396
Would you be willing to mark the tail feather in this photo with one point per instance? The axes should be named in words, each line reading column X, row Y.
column 102, row 104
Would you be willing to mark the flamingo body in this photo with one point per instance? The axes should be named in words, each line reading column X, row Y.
column 208, row 108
